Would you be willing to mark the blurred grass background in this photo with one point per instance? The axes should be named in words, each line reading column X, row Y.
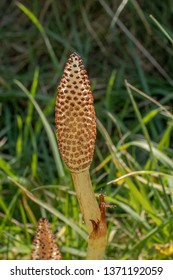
column 128, row 56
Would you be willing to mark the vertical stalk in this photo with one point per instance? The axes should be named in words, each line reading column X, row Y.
column 98, row 238
column 94, row 216
column 86, row 198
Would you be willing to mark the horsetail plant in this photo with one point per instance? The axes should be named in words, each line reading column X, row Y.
column 76, row 131
column 44, row 245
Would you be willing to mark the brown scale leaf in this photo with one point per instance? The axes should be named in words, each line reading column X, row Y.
column 44, row 244
column 75, row 116
column 100, row 226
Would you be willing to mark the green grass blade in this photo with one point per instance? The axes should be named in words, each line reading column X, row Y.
column 160, row 156
column 30, row 105
column 36, row 22
column 48, row 129
column 139, row 245
column 51, row 209
column 161, row 28
column 138, row 114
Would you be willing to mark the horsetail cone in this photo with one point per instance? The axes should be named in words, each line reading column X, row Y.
column 44, row 245
column 75, row 116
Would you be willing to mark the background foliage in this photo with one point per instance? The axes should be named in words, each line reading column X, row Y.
column 128, row 56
